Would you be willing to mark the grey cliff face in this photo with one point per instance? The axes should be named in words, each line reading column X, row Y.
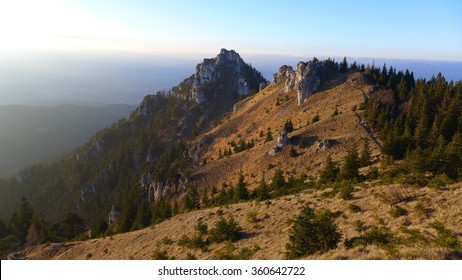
column 305, row 80
column 210, row 72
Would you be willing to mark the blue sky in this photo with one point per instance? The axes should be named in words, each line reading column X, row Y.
column 390, row 29
column 112, row 51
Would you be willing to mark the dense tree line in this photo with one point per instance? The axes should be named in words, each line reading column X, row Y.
column 27, row 226
column 419, row 121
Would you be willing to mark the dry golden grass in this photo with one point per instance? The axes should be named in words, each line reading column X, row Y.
column 270, row 230
column 259, row 113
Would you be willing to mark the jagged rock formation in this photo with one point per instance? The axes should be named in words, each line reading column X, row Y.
column 157, row 190
column 227, row 71
column 113, row 218
column 305, row 80
column 262, row 86
column 283, row 141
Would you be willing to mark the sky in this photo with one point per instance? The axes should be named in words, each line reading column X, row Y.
column 147, row 31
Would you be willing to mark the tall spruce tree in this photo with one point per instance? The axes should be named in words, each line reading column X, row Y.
column 330, row 171
column 350, row 167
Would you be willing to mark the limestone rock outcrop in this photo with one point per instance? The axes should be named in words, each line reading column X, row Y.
column 283, row 141
column 305, row 79
column 227, row 70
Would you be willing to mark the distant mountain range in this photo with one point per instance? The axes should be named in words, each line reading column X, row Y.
column 31, row 134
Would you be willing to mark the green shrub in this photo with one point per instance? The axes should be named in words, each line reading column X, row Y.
column 421, row 210
column 191, row 257
column 445, row 237
column 376, row 236
column 293, row 152
column 354, row 208
column 252, row 217
column 160, row 255
column 439, row 181
column 230, row 252
column 225, row 230
column 315, row 118
column 398, row 211
column 201, row 227
column 359, row 225
column 346, row 192
column 312, row 233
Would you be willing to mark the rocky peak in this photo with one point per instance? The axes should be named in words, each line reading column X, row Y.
column 227, row 73
column 305, row 79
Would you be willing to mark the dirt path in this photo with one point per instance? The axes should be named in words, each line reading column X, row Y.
column 360, row 120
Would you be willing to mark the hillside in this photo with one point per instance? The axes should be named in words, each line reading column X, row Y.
column 260, row 113
column 33, row 134
column 370, row 157
column 269, row 229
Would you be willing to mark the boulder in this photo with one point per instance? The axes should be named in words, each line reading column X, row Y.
column 283, row 141
column 324, row 144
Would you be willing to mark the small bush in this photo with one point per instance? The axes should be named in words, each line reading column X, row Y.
column 293, row 152
column 439, row 181
column 398, row 211
column 167, row 240
column 376, row 236
column 201, row 227
column 160, row 255
column 230, row 252
column 346, row 192
column 225, row 230
column 315, row 118
column 445, row 237
column 359, row 225
column 354, row 208
column 252, row 217
column 421, row 210
column 191, row 257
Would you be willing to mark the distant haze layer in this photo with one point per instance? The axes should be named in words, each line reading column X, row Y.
column 52, row 79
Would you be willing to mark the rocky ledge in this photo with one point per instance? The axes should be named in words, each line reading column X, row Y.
column 305, row 80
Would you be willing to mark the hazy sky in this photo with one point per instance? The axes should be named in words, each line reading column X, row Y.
column 391, row 29
column 112, row 51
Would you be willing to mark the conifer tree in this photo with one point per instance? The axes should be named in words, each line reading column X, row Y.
column 350, row 167
column 241, row 192
column 288, row 126
column 312, row 233
column 269, row 136
column 365, row 157
column 330, row 171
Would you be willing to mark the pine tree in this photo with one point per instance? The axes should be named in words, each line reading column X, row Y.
column 241, row 192
column 350, row 167
column 365, row 157
column 22, row 220
column 288, row 126
column 312, row 233
column 269, row 136
column 293, row 152
column 330, row 171
column 278, row 181
column 343, row 66
column 71, row 226
column 263, row 192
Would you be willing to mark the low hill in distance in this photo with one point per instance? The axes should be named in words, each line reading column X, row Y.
column 31, row 134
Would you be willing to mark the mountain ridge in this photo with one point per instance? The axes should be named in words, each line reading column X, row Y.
column 202, row 145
